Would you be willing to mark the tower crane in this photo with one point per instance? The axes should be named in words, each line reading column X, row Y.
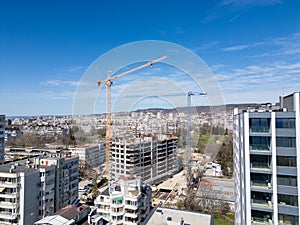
column 109, row 83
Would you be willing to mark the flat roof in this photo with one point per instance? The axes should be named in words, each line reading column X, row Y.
column 19, row 166
column 169, row 216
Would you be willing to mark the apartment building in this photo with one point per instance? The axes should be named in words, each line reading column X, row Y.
column 26, row 192
column 125, row 201
column 66, row 179
column 266, row 144
column 2, row 137
column 90, row 155
column 151, row 158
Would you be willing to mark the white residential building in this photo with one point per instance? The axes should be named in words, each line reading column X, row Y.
column 151, row 158
column 2, row 137
column 33, row 188
column 90, row 155
column 126, row 202
column 26, row 192
column 266, row 144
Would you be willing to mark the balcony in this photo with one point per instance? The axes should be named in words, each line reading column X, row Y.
column 260, row 167
column 8, row 215
column 9, row 194
column 260, row 130
column 263, row 205
column 8, row 184
column 263, row 186
column 120, row 213
column 260, row 147
column 258, row 221
column 131, row 215
column 104, row 210
column 261, row 218
column 8, row 205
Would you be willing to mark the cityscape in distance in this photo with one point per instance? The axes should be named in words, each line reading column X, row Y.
column 150, row 113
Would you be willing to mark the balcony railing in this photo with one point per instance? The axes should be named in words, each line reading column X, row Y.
column 260, row 184
column 8, row 184
column 260, row 165
column 8, row 205
column 260, row 129
column 261, row 203
column 260, row 147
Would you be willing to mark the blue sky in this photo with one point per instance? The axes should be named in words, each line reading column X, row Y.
column 251, row 46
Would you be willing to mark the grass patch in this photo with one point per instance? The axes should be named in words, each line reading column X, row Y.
column 204, row 138
column 219, row 220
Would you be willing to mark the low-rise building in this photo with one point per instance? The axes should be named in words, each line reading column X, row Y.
column 70, row 215
column 90, row 155
column 125, row 201
column 169, row 216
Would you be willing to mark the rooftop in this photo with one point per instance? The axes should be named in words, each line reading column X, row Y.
column 17, row 166
column 71, row 211
column 168, row 216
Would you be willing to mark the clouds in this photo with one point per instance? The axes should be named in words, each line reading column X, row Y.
column 235, row 9
column 235, row 48
column 60, row 83
column 243, row 3
column 257, row 83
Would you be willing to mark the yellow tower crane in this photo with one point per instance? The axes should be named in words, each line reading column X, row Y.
column 109, row 83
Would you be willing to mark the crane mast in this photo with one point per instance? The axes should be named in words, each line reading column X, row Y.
column 109, row 83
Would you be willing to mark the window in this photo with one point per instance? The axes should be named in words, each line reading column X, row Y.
column 287, row 200
column 286, row 161
column 259, row 143
column 285, row 123
column 288, row 142
column 259, row 124
column 287, row 219
column 287, row 180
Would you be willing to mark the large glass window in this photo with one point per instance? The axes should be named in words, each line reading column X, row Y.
column 259, row 216
column 287, row 200
column 260, row 161
column 285, row 123
column 260, row 143
column 286, row 161
column 289, row 142
column 260, row 179
column 287, row 180
column 288, row 219
column 259, row 124
column 260, row 197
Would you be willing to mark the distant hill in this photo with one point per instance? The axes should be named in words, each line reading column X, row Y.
column 229, row 107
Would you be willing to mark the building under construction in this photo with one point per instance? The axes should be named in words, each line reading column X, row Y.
column 152, row 158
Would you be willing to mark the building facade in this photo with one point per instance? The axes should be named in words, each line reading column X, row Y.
column 26, row 194
column 90, row 155
column 33, row 188
column 125, row 201
column 151, row 158
column 66, row 179
column 266, row 144
column 2, row 137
